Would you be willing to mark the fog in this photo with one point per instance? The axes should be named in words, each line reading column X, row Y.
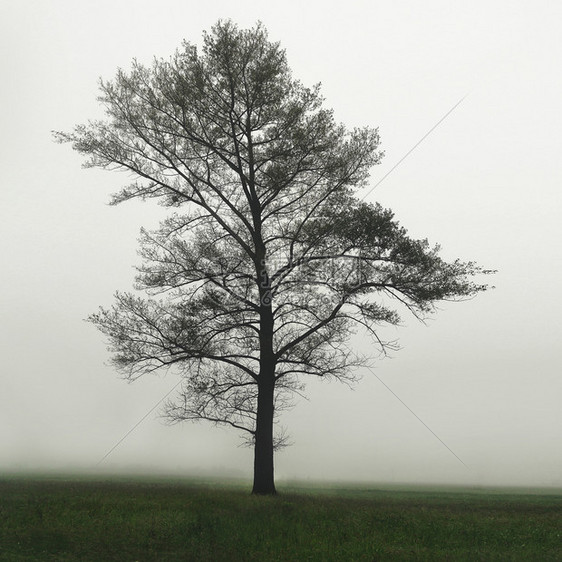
column 472, row 397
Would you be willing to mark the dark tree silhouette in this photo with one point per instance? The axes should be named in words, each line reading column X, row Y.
column 269, row 260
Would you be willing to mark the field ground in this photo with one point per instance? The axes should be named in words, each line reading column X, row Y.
column 141, row 520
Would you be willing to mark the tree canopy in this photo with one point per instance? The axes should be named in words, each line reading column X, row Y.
column 268, row 260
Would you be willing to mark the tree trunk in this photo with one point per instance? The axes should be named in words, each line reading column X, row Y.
column 264, row 482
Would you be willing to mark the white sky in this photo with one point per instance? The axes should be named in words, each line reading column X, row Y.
column 484, row 375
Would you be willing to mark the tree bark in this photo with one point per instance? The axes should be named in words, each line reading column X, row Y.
column 264, row 482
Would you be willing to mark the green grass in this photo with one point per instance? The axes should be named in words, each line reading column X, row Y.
column 50, row 519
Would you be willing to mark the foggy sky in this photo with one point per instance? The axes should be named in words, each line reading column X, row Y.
column 483, row 375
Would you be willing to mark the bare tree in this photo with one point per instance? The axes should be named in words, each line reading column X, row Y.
column 268, row 260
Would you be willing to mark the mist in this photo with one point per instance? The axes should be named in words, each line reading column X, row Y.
column 473, row 395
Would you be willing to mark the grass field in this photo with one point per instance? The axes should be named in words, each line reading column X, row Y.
column 73, row 519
